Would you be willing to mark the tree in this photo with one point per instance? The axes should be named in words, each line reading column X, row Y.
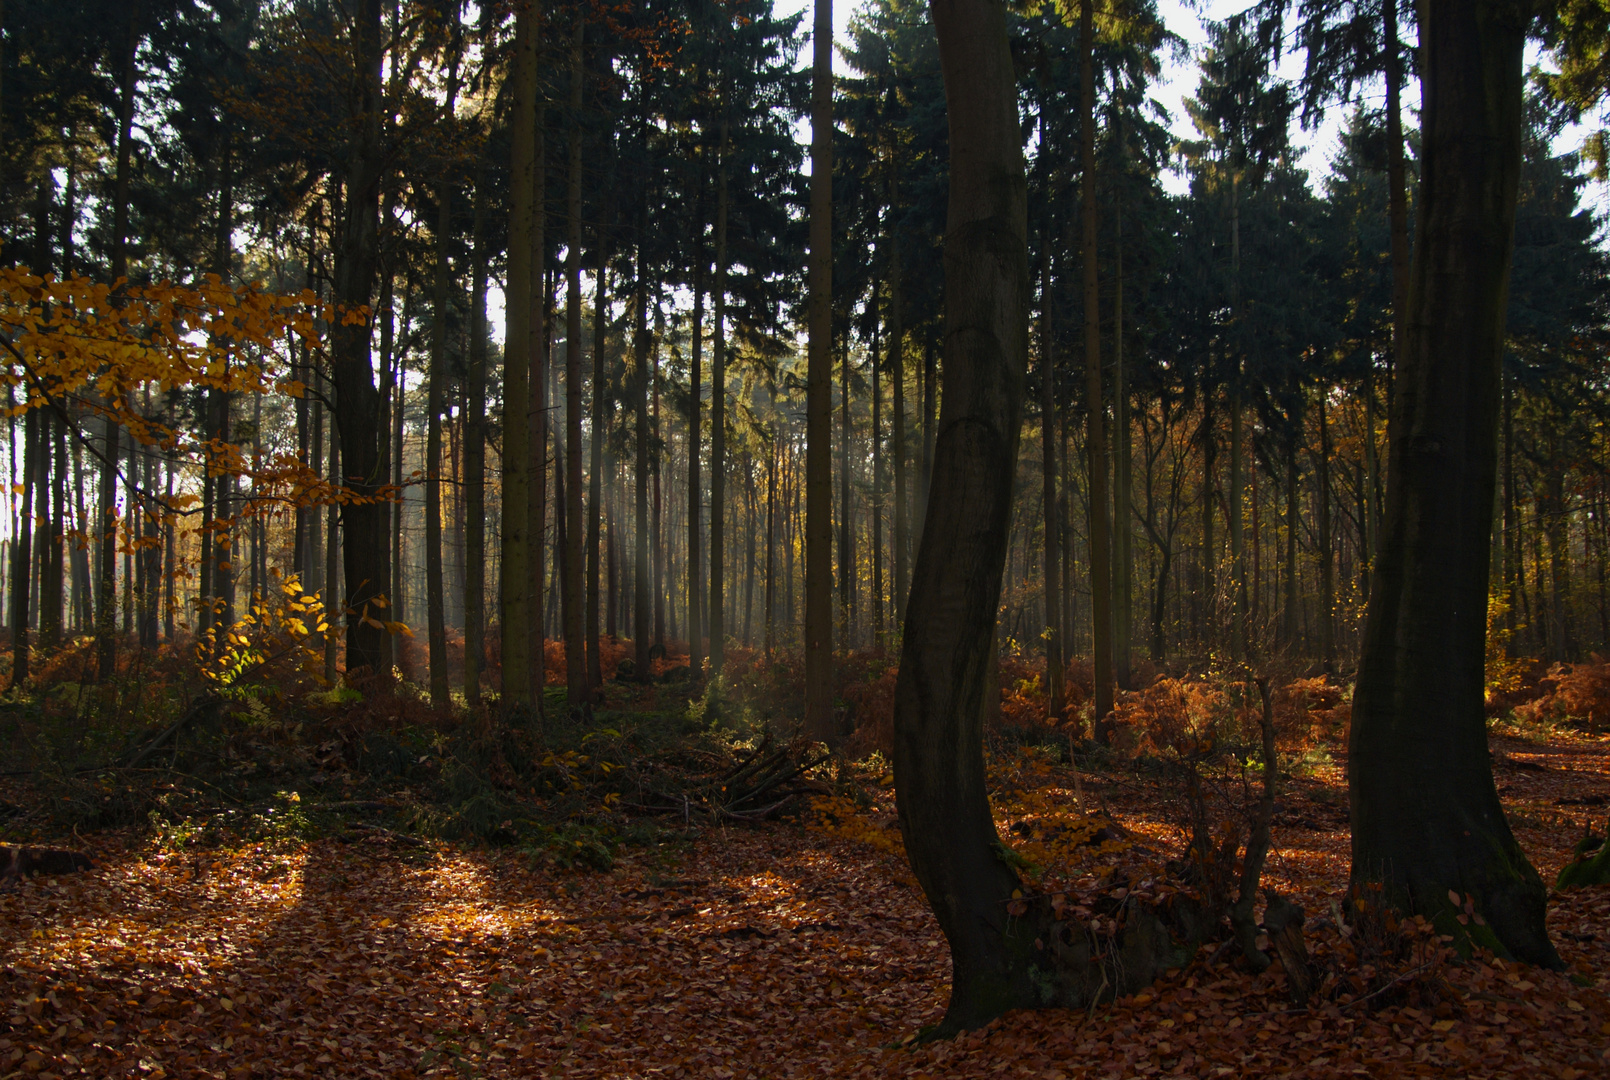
column 819, row 394
column 1427, row 822
column 956, row 583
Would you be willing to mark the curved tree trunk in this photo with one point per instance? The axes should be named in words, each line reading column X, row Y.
column 1426, row 817
column 956, row 584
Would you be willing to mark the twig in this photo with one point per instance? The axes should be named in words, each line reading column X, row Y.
column 1411, row 973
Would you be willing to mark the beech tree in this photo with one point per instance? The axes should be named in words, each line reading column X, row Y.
column 1427, row 823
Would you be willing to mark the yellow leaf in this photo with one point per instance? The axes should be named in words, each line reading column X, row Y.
column 1442, row 1025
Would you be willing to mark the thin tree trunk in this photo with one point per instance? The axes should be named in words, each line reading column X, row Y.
column 595, row 670
column 642, row 604
column 22, row 551
column 435, row 588
column 847, row 570
column 876, row 511
column 897, row 376
column 1095, row 400
column 1327, row 555
column 819, row 681
column 1055, row 664
column 521, row 686
column 577, row 684
column 659, row 447
column 695, row 588
column 718, row 427
column 475, row 460
column 1396, row 178
column 1123, row 531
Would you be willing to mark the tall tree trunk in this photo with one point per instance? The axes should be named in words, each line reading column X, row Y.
column 595, row 669
column 1426, row 817
column 944, row 810
column 1122, row 529
column 1095, row 400
column 642, row 604
column 365, row 543
column 1055, row 664
column 897, row 436
column 435, row 588
column 660, row 447
column 876, row 511
column 1327, row 546
column 772, row 452
column 53, row 498
column 521, row 686
column 695, row 589
column 1236, row 496
column 475, row 459
column 22, row 550
column 718, row 427
column 106, row 586
column 1293, row 524
column 847, row 570
column 577, row 684
column 1397, row 186
column 819, row 393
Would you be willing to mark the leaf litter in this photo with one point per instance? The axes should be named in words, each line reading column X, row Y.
column 763, row 950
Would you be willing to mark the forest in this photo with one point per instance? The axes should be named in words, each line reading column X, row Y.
column 662, row 537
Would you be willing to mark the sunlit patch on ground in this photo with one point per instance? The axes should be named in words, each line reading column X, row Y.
column 771, row 951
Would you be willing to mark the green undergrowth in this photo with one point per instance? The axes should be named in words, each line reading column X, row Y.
column 266, row 765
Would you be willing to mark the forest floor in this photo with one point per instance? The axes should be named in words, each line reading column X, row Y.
column 794, row 948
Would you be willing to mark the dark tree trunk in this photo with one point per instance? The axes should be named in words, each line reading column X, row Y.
column 475, row 461
column 819, row 393
column 718, row 426
column 1426, row 817
column 366, row 550
column 436, row 380
column 22, row 552
column 1327, row 546
column 695, row 588
column 595, row 480
column 1095, row 400
column 1054, row 662
column 521, row 686
column 642, row 603
column 956, row 585
column 577, row 689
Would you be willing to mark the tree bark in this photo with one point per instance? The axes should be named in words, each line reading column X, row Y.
column 1426, row 817
column 1055, row 664
column 1123, row 487
column 475, row 460
column 819, row 393
column 519, row 686
column 435, row 591
column 365, row 544
column 1095, row 401
column 950, row 619
column 1327, row 545
column 642, row 602
column 22, row 552
column 595, row 481
column 695, row 585
column 718, row 427
column 577, row 684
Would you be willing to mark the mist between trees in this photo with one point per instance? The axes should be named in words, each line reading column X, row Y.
column 1245, row 336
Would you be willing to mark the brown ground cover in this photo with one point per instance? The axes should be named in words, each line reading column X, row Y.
column 779, row 949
